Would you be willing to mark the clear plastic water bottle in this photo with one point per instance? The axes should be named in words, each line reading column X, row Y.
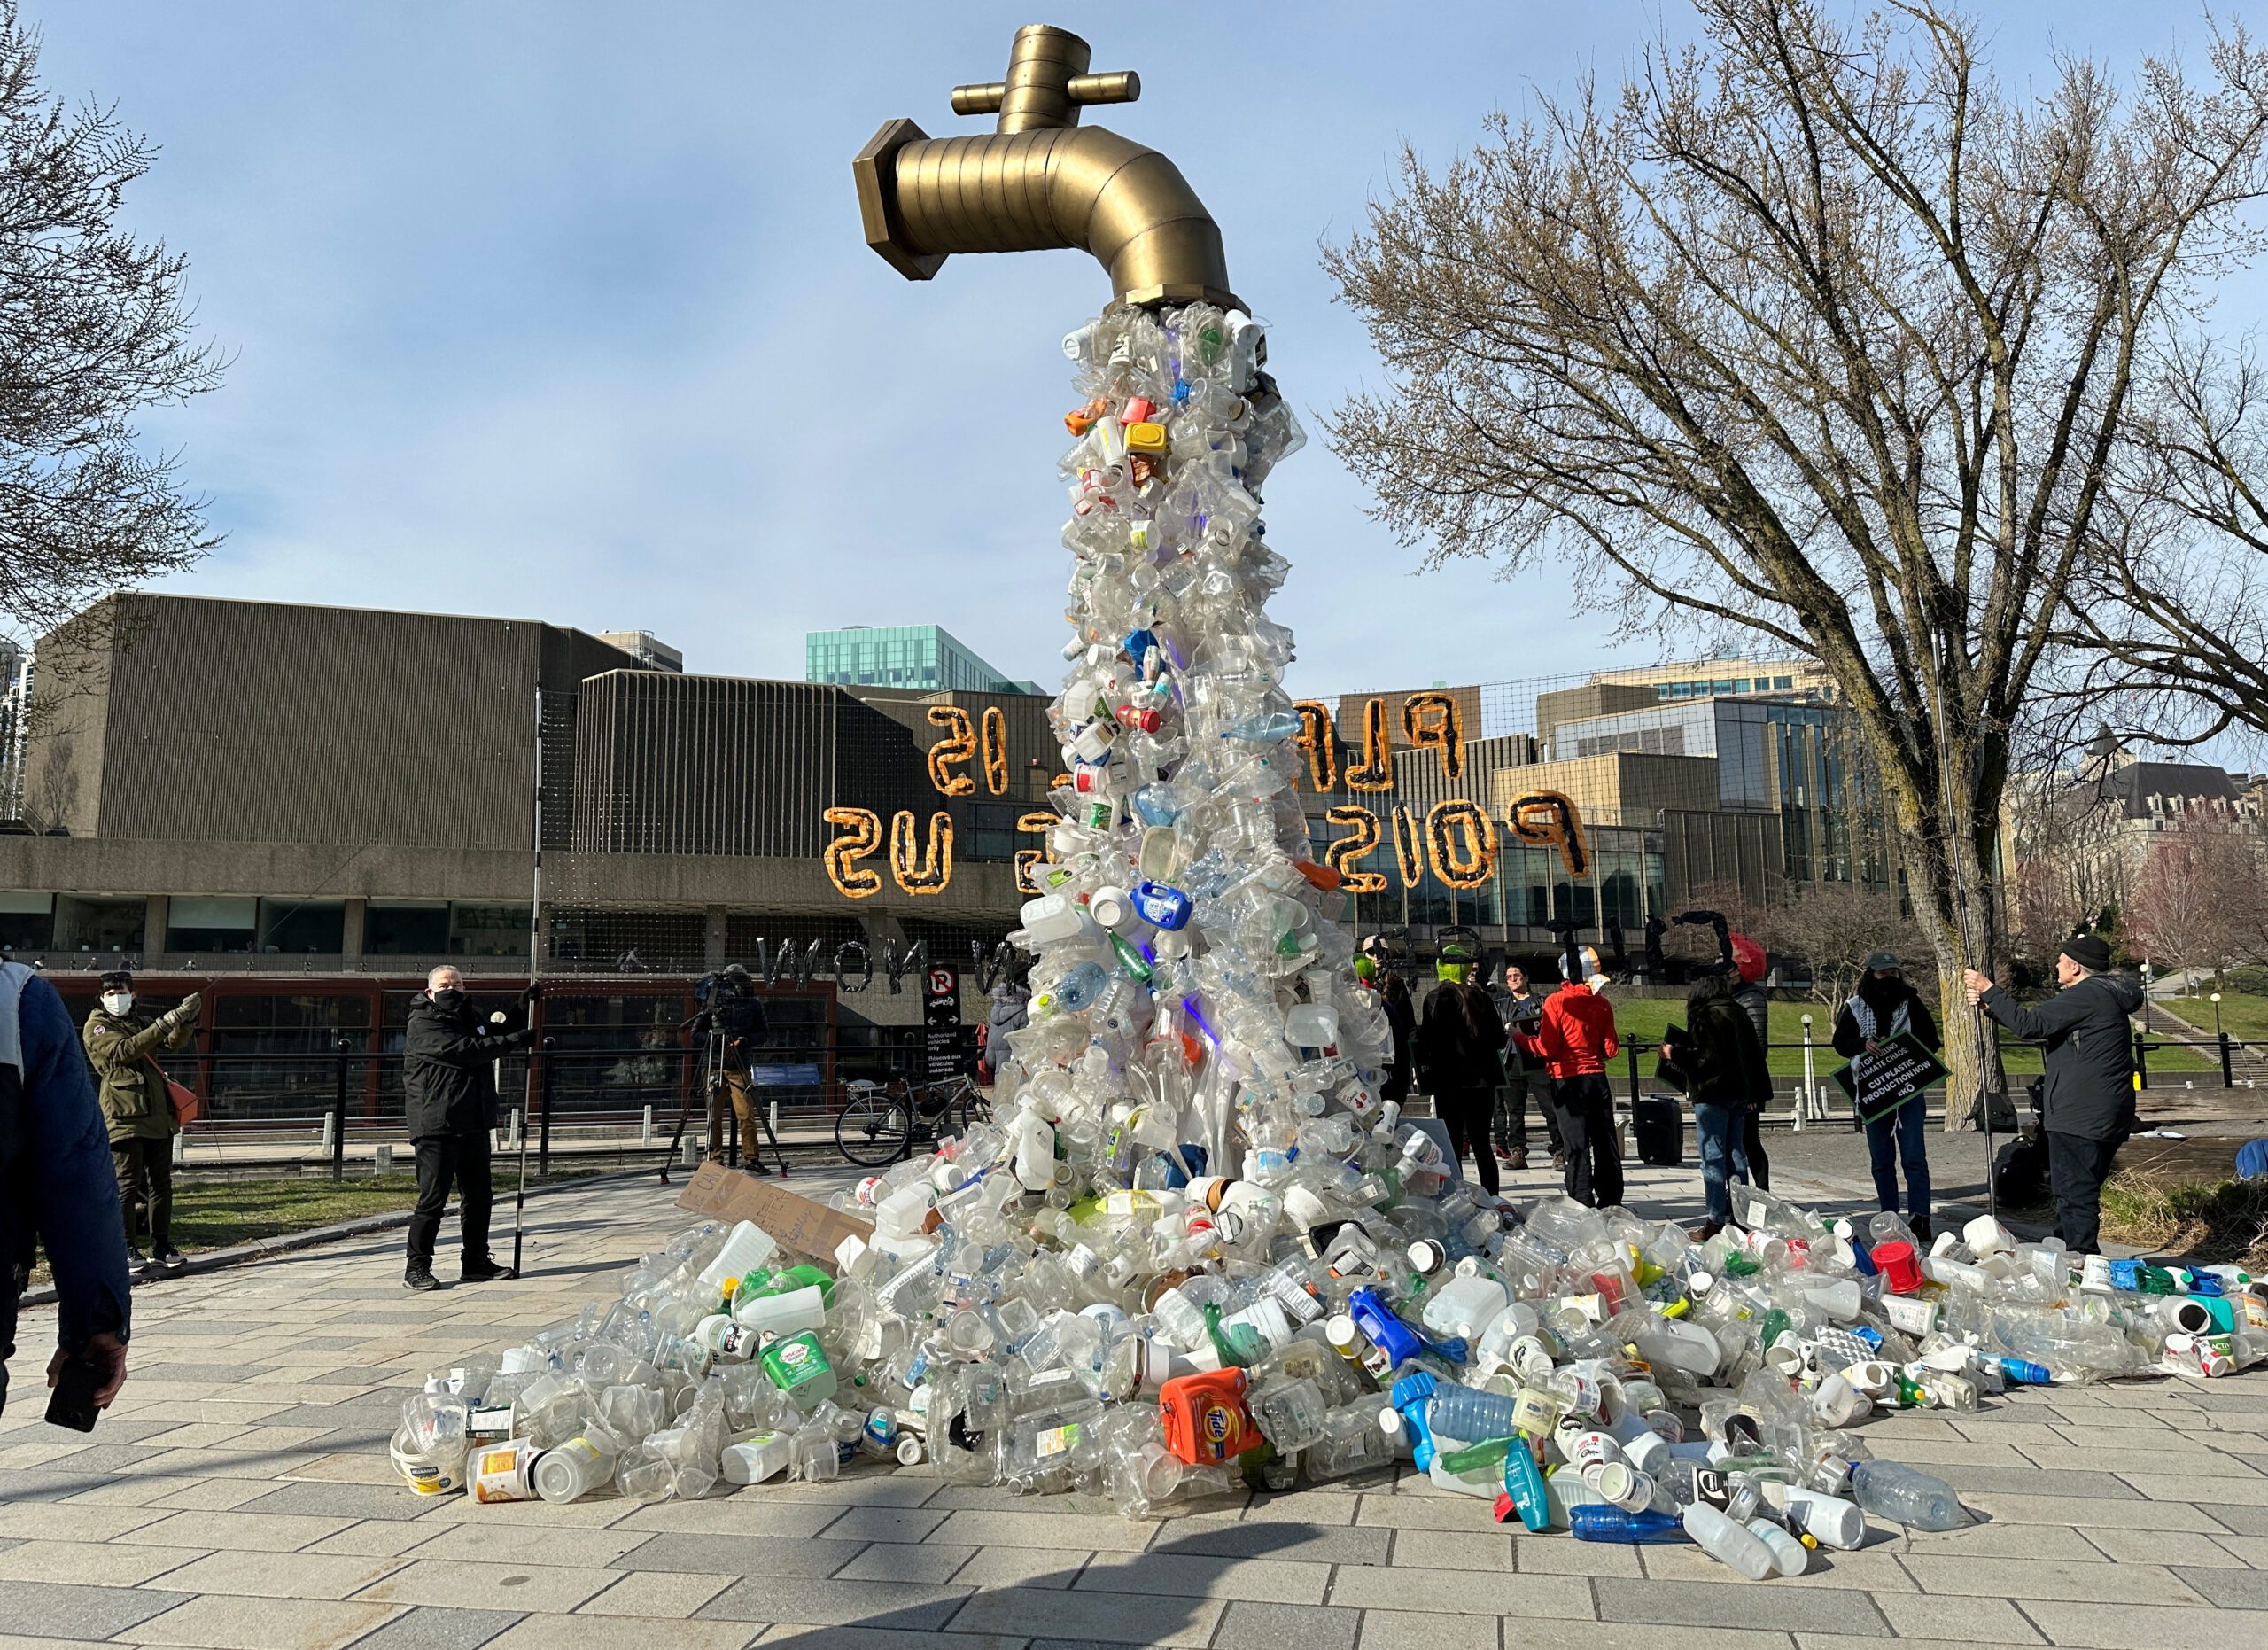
column 1727, row 1543
column 1469, row 1415
column 1905, row 1495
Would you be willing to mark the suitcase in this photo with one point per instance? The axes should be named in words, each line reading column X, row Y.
column 1658, row 1126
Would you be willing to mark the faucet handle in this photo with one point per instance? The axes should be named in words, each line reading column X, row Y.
column 1121, row 86
column 1085, row 91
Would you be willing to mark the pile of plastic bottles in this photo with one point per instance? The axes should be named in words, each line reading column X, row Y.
column 1196, row 1251
column 1580, row 1370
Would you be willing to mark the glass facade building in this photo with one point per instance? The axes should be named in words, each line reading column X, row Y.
column 924, row 657
column 1787, row 756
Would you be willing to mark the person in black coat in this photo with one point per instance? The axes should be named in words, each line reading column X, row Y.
column 2089, row 1092
column 1884, row 1006
column 1460, row 1060
column 448, row 1079
column 1723, row 1063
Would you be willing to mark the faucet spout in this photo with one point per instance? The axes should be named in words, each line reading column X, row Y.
column 1042, row 181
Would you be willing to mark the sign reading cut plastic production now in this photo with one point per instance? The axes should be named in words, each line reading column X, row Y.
column 1458, row 839
column 1879, row 1083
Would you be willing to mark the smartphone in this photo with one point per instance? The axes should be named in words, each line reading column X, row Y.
column 72, row 1403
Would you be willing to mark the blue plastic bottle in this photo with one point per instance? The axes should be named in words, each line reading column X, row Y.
column 1612, row 1524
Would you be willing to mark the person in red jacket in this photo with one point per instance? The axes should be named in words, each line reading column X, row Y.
column 1575, row 1040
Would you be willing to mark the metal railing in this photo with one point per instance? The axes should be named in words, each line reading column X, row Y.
column 351, row 1088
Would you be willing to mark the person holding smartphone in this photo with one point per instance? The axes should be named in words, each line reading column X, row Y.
column 58, row 1193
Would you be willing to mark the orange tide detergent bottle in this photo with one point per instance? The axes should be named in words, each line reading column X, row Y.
column 1205, row 1417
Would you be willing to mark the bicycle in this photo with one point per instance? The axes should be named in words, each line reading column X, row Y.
column 880, row 1124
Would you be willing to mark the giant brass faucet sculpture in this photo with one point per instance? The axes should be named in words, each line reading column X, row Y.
column 1040, row 180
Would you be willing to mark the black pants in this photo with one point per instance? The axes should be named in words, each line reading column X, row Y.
column 1759, row 1166
column 1512, row 1112
column 1587, row 1125
column 2077, row 1168
column 145, row 1181
column 1465, row 1113
column 444, row 1160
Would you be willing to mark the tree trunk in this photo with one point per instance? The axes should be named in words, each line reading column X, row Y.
column 1949, row 880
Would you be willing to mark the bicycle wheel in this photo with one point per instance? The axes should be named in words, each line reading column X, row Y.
column 874, row 1131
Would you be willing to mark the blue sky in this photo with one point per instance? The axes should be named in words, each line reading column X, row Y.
column 562, row 310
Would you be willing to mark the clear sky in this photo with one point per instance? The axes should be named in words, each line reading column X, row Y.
column 561, row 310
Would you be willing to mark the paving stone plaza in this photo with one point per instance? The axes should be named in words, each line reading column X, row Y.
column 238, row 1498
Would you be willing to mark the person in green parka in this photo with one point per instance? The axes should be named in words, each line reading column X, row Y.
column 136, row 1107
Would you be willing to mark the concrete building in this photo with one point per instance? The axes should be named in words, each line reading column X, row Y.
column 249, row 780
column 650, row 651
column 297, row 810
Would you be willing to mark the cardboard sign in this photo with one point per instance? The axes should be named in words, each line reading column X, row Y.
column 810, row 1228
column 1879, row 1083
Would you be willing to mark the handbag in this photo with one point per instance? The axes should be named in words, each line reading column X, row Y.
column 188, row 1105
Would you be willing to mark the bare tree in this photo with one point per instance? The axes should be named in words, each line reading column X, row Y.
column 1819, row 333
column 2169, row 625
column 2201, row 900
column 93, row 327
column 2071, row 867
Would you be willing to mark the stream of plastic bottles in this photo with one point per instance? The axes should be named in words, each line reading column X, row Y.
column 1198, row 1251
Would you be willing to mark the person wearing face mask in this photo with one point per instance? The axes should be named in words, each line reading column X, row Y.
column 1883, row 1005
column 449, row 1083
column 140, row 1114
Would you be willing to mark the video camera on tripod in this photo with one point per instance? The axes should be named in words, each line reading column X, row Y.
column 729, row 1019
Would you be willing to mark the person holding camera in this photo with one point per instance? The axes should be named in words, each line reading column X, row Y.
column 448, row 1079
column 58, row 1192
column 140, row 1112
column 734, row 1013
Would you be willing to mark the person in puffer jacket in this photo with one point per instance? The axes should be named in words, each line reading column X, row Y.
column 1575, row 1039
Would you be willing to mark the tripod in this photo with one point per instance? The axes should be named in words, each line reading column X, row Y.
column 711, row 1085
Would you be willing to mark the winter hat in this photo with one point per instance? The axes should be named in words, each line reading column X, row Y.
column 2089, row 952
column 1749, row 960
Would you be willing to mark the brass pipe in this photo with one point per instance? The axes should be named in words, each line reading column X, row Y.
column 1042, row 181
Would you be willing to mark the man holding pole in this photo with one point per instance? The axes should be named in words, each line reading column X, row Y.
column 2088, row 1053
column 448, row 1081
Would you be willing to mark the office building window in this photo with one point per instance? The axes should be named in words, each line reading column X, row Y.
column 201, row 923
column 405, row 930
column 94, row 922
column 290, row 927
column 27, row 921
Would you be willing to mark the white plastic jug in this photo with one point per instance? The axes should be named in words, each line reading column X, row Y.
column 783, row 1313
column 749, row 1248
column 1464, row 1306
column 1053, row 917
column 752, row 1461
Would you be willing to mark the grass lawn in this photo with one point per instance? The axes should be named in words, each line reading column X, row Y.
column 210, row 1212
column 2244, row 1016
column 214, row 1211
column 1644, row 1018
